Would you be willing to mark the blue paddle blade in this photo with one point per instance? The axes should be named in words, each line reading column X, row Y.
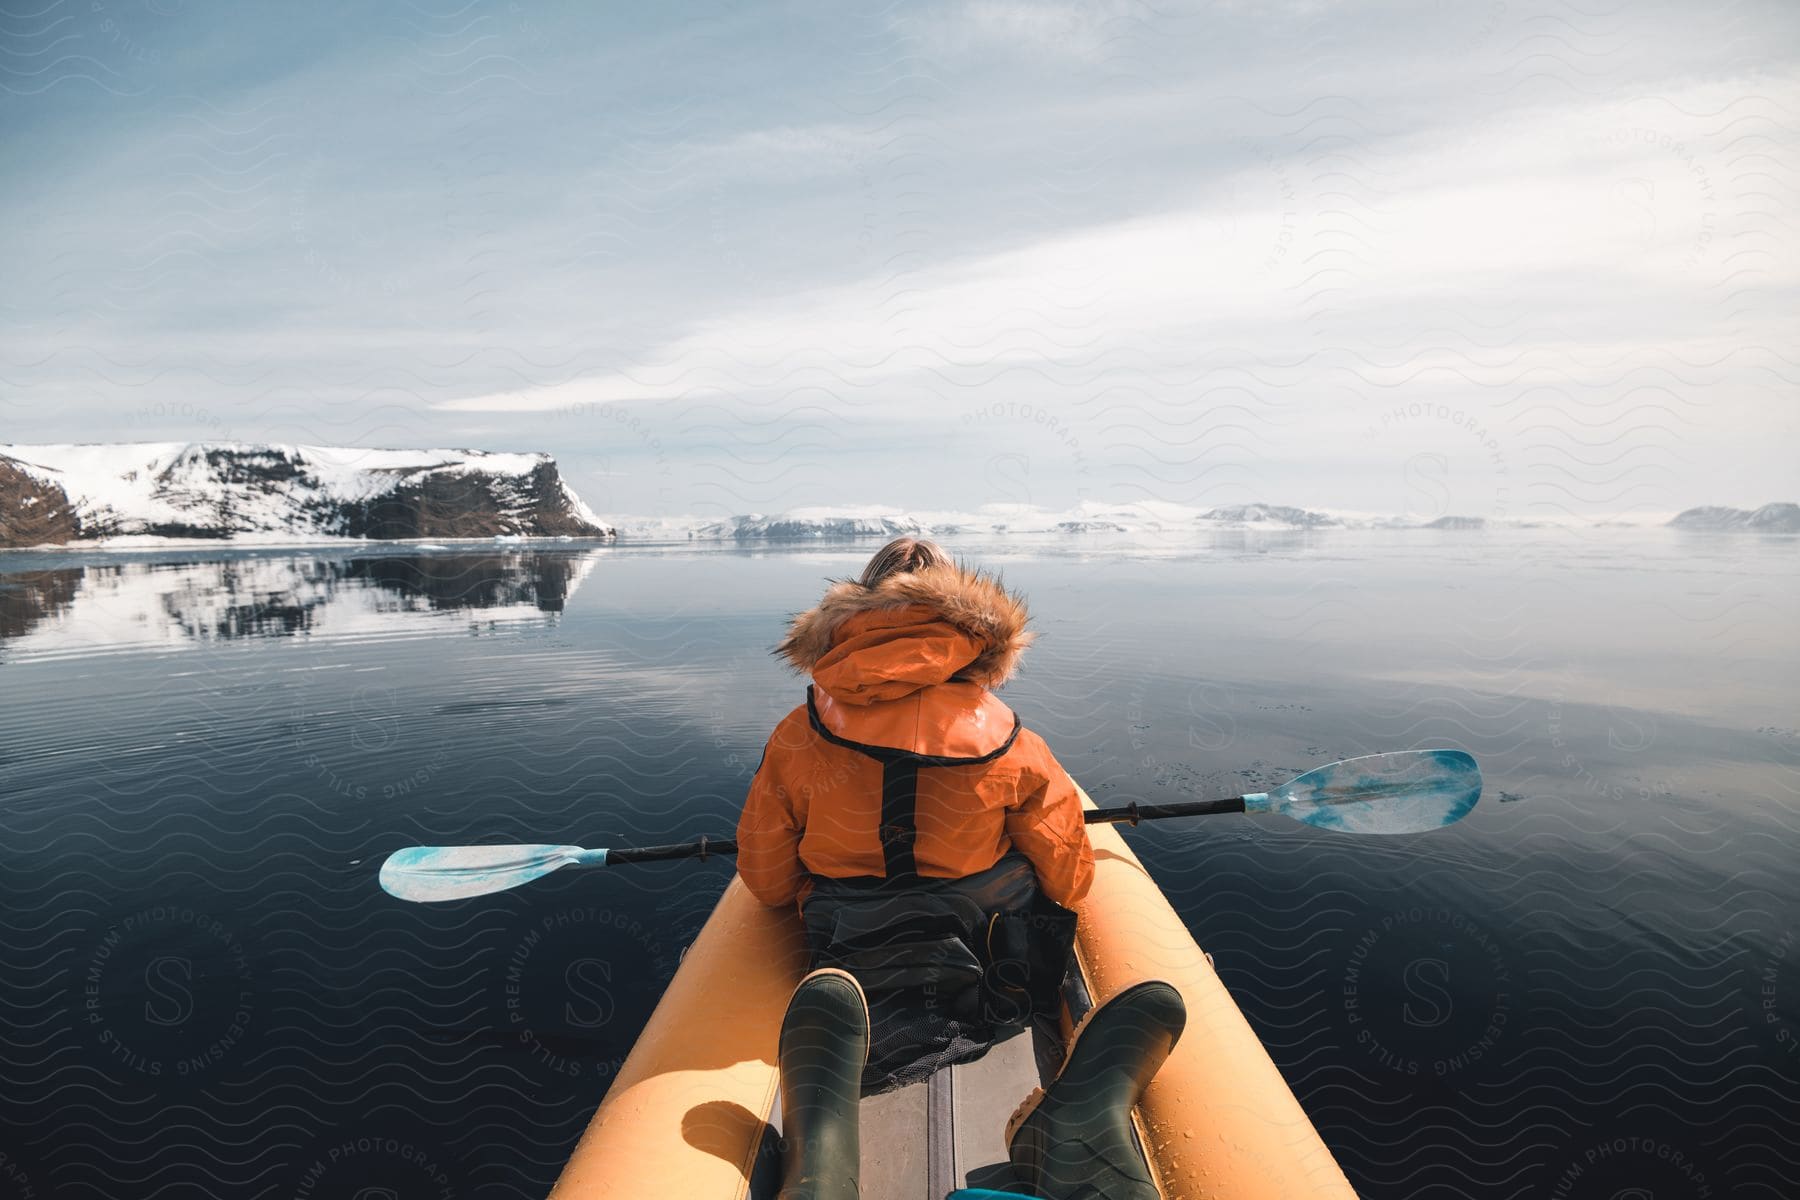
column 429, row 874
column 1410, row 791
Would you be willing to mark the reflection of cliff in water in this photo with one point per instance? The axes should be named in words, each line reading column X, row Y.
column 227, row 600
column 449, row 582
column 84, row 608
column 30, row 596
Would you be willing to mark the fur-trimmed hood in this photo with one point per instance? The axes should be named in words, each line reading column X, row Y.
column 970, row 600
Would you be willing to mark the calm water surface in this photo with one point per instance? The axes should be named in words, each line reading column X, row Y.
column 1590, row 986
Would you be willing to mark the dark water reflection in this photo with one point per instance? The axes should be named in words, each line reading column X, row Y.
column 1590, row 986
column 27, row 597
column 229, row 597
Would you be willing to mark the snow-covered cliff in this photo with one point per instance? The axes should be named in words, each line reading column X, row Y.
column 63, row 493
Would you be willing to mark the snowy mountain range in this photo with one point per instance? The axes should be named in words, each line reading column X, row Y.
column 1088, row 517
column 1770, row 518
column 149, row 493
column 67, row 493
column 1141, row 517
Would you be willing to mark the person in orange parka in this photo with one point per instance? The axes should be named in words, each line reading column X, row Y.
column 902, row 763
column 901, row 790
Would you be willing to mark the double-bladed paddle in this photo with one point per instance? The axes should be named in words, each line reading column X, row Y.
column 1408, row 791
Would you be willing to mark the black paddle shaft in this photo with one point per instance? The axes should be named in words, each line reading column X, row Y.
column 1131, row 814
column 704, row 848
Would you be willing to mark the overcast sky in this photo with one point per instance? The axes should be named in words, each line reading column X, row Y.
column 1489, row 258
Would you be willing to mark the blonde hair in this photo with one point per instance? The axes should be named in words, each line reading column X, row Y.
column 902, row 554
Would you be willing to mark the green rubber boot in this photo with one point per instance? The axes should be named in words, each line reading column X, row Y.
column 824, row 1044
column 1074, row 1140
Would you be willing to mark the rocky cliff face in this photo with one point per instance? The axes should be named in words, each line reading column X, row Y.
column 32, row 511
column 58, row 494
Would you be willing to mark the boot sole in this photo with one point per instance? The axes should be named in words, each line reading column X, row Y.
column 1025, row 1108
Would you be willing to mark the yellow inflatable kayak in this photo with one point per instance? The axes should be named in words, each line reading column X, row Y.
column 692, row 1110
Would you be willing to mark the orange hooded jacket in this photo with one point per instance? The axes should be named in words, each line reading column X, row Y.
column 902, row 761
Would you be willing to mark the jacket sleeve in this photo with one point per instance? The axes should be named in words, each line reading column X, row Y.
column 768, row 835
column 1047, row 827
